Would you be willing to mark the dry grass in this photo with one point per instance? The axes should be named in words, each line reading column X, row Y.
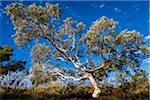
column 55, row 91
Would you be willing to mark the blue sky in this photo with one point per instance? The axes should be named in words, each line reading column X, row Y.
column 130, row 15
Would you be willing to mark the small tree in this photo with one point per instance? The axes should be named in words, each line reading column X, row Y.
column 140, row 83
column 12, row 73
column 95, row 53
column 7, row 63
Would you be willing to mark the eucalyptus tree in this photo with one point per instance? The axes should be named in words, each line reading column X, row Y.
column 94, row 52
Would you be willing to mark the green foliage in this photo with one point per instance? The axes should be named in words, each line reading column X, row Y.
column 6, row 53
column 25, row 20
column 100, row 39
column 39, row 53
column 119, row 52
column 42, row 74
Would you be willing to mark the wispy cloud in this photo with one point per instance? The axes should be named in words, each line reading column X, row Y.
column 147, row 37
column 147, row 60
column 101, row 6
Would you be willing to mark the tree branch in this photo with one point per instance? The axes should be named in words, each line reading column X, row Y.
column 90, row 71
column 73, row 43
column 102, row 49
column 60, row 58
column 69, row 77
column 52, row 41
column 76, row 55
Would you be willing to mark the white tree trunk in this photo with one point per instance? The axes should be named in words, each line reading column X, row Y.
column 97, row 90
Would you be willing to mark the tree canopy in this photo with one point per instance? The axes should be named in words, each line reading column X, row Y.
column 70, row 42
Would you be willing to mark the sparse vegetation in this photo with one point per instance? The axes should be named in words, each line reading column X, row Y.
column 55, row 91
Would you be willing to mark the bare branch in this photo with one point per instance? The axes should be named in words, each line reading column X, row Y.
column 97, row 68
column 76, row 55
column 70, row 77
column 52, row 41
column 60, row 58
column 76, row 64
